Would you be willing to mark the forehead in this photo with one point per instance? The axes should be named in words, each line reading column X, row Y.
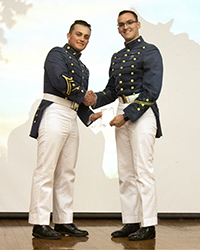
column 83, row 29
column 125, row 17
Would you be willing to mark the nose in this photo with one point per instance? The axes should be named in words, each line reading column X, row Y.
column 125, row 25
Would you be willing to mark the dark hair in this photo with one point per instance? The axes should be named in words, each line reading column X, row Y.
column 81, row 22
column 129, row 11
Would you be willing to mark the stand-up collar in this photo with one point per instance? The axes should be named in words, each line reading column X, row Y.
column 134, row 42
column 72, row 51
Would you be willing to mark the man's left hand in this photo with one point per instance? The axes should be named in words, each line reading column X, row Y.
column 118, row 121
column 95, row 116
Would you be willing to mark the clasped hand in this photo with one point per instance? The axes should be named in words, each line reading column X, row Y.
column 90, row 98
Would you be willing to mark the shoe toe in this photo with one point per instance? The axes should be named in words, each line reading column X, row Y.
column 119, row 234
column 115, row 234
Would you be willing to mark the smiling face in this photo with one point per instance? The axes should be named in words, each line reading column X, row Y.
column 128, row 27
column 79, row 37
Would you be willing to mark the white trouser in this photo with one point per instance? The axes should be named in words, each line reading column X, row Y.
column 135, row 150
column 57, row 154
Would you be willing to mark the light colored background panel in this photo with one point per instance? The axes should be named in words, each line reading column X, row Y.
column 29, row 30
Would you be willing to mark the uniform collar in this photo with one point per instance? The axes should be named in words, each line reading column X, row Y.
column 72, row 51
column 134, row 42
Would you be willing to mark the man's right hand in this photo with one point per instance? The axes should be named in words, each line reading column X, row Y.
column 90, row 98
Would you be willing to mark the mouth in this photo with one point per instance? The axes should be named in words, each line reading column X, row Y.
column 127, row 31
column 80, row 44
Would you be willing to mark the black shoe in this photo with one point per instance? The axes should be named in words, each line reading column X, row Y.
column 70, row 229
column 45, row 232
column 144, row 233
column 126, row 230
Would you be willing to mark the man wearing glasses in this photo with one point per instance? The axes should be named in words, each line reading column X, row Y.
column 135, row 78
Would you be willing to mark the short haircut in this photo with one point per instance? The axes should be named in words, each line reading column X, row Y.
column 81, row 22
column 129, row 11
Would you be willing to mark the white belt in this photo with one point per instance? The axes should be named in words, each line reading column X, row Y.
column 61, row 101
column 128, row 99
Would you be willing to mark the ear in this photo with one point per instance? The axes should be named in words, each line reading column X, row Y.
column 119, row 30
column 138, row 25
column 68, row 36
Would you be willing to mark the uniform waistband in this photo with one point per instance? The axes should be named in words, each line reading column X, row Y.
column 61, row 101
column 128, row 99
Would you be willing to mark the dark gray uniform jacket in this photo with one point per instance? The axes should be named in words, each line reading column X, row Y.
column 135, row 69
column 67, row 77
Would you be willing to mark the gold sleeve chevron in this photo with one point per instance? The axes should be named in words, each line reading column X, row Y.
column 69, row 82
column 143, row 103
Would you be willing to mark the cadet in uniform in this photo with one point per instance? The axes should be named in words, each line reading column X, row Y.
column 135, row 79
column 55, row 127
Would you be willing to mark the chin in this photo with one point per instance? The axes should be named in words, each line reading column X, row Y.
column 79, row 48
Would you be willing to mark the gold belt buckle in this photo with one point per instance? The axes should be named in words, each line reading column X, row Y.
column 74, row 106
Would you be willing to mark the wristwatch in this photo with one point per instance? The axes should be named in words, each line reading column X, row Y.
column 125, row 118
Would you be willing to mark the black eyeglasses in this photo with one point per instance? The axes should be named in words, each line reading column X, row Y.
column 128, row 23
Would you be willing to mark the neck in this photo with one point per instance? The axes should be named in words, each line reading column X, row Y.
column 132, row 40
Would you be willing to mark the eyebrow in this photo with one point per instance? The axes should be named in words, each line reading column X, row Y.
column 128, row 21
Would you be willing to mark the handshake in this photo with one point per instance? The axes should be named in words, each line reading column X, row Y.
column 90, row 98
